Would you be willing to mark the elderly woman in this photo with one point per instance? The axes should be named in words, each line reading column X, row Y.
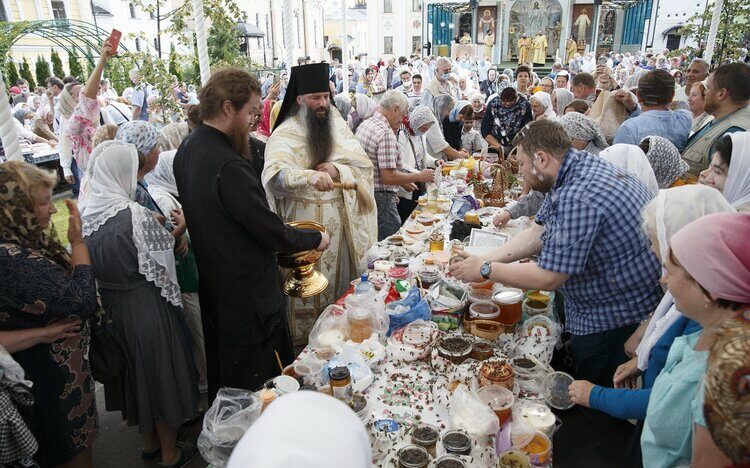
column 561, row 97
column 729, row 171
column 163, row 189
column 665, row 160
column 436, row 143
column 585, row 134
column 44, row 125
column 664, row 216
column 135, row 271
column 697, row 105
column 364, row 107
column 506, row 115
column 477, row 105
column 172, row 135
column 710, row 288
column 20, row 118
column 413, row 154
column 47, row 296
column 541, row 106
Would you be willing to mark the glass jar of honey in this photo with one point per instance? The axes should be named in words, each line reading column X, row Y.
column 437, row 241
column 341, row 384
column 509, row 300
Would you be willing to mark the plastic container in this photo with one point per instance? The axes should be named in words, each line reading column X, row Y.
column 555, row 390
column 457, row 442
column 480, row 295
column 496, row 372
column 509, row 300
column 364, row 286
column 426, row 435
column 449, row 461
column 413, row 456
column 454, row 348
column 482, row 349
column 540, row 417
column 285, row 384
column 484, row 311
column 500, row 399
column 538, row 449
column 513, row 459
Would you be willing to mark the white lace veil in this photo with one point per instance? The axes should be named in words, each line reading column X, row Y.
column 112, row 185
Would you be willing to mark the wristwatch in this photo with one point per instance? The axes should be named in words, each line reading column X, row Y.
column 486, row 270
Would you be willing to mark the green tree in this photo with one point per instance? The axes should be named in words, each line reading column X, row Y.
column 41, row 70
column 732, row 35
column 57, row 66
column 174, row 67
column 26, row 74
column 74, row 67
column 11, row 72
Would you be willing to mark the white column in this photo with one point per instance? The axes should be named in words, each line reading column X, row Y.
column 400, row 21
column 713, row 31
column 200, row 32
column 7, row 128
column 344, row 48
column 567, row 11
column 287, row 16
column 374, row 38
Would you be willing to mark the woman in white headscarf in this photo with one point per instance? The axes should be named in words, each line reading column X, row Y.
column 729, row 171
column 561, row 97
column 632, row 159
column 131, row 254
column 304, row 429
column 665, row 215
column 414, row 157
column 364, row 108
column 585, row 134
column 541, row 106
column 163, row 189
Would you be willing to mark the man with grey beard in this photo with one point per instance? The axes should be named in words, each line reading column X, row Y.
column 315, row 170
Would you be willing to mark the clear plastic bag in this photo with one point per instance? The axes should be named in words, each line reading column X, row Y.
column 233, row 411
column 329, row 330
column 411, row 308
column 467, row 412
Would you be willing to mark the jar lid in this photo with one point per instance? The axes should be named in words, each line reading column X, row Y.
column 555, row 390
column 339, row 373
column 508, row 296
column 386, row 425
column 459, row 441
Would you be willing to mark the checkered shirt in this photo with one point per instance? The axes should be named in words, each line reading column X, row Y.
column 379, row 142
column 592, row 232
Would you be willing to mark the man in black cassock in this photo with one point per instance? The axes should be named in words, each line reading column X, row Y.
column 235, row 237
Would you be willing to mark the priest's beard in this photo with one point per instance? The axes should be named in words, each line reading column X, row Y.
column 239, row 137
column 319, row 134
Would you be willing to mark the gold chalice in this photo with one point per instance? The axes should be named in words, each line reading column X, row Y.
column 303, row 280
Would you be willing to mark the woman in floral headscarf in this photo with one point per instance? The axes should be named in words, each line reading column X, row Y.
column 505, row 116
column 585, row 134
column 665, row 160
column 46, row 298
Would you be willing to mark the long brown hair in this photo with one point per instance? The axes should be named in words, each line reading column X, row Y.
column 226, row 84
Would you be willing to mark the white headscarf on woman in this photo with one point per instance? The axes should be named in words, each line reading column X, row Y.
column 563, row 97
column 304, row 429
column 670, row 211
column 545, row 100
column 364, row 108
column 632, row 159
column 162, row 184
column 113, row 170
column 737, row 186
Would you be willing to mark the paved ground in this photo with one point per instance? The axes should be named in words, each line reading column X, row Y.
column 119, row 446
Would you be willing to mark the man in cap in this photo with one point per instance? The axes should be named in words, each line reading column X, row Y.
column 310, row 155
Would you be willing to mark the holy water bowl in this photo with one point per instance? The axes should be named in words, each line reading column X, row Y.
column 303, row 280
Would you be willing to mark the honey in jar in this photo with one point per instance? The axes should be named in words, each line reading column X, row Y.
column 437, row 241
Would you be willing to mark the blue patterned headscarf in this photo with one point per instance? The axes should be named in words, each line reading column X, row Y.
column 140, row 134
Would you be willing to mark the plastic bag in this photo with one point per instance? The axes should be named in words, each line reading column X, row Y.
column 417, row 309
column 233, row 411
column 350, row 356
column 463, row 204
column 329, row 330
column 370, row 305
column 467, row 412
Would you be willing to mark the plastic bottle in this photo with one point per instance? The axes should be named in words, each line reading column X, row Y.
column 364, row 287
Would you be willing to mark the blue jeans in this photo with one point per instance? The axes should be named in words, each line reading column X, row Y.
column 389, row 221
column 75, row 187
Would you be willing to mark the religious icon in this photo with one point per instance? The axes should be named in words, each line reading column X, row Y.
column 486, row 23
column 582, row 23
column 531, row 17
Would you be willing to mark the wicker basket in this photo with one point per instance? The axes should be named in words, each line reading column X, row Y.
column 487, row 329
column 495, row 195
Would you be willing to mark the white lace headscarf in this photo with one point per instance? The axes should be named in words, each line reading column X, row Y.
column 737, row 186
column 545, row 100
column 112, row 184
column 671, row 210
column 161, row 179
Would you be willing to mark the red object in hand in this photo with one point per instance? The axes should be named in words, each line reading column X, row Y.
column 114, row 40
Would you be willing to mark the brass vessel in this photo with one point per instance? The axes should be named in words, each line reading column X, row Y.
column 303, row 280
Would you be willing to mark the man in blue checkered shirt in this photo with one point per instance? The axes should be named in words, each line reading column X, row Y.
column 590, row 244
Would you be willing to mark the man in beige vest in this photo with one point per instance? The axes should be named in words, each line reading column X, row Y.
column 727, row 98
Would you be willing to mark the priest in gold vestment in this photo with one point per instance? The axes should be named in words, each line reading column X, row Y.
column 523, row 49
column 539, row 49
column 310, row 149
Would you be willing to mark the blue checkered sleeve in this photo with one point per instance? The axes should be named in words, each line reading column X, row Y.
column 568, row 238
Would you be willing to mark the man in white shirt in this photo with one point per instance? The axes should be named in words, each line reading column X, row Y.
column 697, row 71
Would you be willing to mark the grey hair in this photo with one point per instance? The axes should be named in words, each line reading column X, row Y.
column 443, row 60
column 701, row 61
column 393, row 98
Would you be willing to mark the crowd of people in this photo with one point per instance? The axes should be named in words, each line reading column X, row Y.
column 635, row 167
